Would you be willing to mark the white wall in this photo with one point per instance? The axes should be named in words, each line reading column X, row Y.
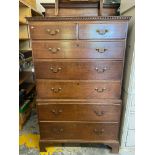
column 128, row 123
column 39, row 7
column 126, row 5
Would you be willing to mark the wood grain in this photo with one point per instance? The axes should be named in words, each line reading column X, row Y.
column 114, row 31
column 76, row 102
column 74, row 130
column 79, row 112
column 77, row 89
column 81, row 8
column 77, row 49
column 73, row 69
column 56, row 31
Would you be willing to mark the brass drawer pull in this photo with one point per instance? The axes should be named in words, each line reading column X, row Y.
column 56, row 90
column 55, row 70
column 53, row 32
column 57, row 130
column 102, row 32
column 99, row 113
column 98, row 132
column 56, row 112
column 54, row 50
column 101, row 70
column 101, row 50
column 100, row 90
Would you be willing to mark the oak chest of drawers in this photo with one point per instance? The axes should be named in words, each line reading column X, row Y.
column 79, row 69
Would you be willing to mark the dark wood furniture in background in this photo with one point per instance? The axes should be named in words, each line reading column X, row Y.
column 81, row 9
column 79, row 70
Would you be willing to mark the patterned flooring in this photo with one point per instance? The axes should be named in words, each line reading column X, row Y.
column 29, row 143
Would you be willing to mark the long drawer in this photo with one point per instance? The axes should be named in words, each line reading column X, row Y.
column 103, row 31
column 69, row 89
column 78, row 49
column 79, row 69
column 79, row 112
column 78, row 131
column 50, row 30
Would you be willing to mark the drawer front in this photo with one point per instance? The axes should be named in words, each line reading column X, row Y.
column 51, row 30
column 78, row 49
column 103, row 31
column 77, row 89
column 73, row 69
column 79, row 112
column 72, row 130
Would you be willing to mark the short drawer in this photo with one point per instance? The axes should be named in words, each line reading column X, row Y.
column 78, row 49
column 68, row 89
column 78, row 131
column 79, row 69
column 50, row 30
column 79, row 112
column 103, row 31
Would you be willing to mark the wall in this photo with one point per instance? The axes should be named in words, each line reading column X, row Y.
column 39, row 7
column 128, row 122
